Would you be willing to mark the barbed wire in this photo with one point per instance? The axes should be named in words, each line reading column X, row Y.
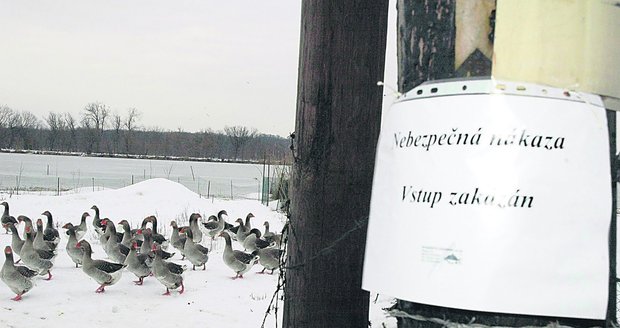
column 358, row 224
column 288, row 230
column 275, row 298
column 292, row 147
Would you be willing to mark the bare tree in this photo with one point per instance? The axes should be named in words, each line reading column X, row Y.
column 62, row 133
column 94, row 117
column 29, row 120
column 53, row 120
column 90, row 135
column 13, row 124
column 5, row 116
column 27, row 125
column 99, row 129
column 71, row 126
column 206, row 143
column 131, row 121
column 239, row 136
column 117, row 125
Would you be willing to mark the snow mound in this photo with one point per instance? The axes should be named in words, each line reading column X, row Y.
column 167, row 200
column 157, row 187
column 160, row 197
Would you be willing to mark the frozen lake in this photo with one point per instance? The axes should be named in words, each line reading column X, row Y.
column 52, row 173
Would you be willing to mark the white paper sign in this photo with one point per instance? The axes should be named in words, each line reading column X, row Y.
column 492, row 202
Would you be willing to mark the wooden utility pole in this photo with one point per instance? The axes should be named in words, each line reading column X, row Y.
column 338, row 119
column 427, row 50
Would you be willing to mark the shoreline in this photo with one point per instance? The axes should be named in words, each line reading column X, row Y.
column 137, row 156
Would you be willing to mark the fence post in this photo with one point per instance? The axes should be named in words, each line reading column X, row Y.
column 268, row 182
column 231, row 190
column 58, row 186
column 132, row 179
column 208, row 189
column 93, row 183
column 262, row 189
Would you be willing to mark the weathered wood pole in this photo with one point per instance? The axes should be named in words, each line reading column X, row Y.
column 342, row 57
column 612, row 306
column 427, row 37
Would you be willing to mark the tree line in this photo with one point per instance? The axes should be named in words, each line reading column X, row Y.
column 97, row 129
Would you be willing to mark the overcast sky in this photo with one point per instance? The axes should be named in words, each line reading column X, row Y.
column 183, row 64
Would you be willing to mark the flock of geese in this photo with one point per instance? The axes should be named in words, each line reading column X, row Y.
column 141, row 251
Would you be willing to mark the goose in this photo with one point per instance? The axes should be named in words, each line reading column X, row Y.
column 167, row 273
column 248, row 224
column 238, row 261
column 242, row 231
column 271, row 236
column 234, row 228
column 242, row 226
column 17, row 278
column 253, row 241
column 147, row 244
column 16, row 242
column 211, row 225
column 215, row 224
column 137, row 263
column 82, row 228
column 193, row 225
column 103, row 239
column 105, row 273
column 231, row 228
column 116, row 251
column 28, row 223
column 50, row 234
column 97, row 221
column 127, row 237
column 176, row 240
column 269, row 258
column 157, row 237
column 134, row 232
column 6, row 218
column 76, row 254
column 38, row 260
column 197, row 254
column 39, row 240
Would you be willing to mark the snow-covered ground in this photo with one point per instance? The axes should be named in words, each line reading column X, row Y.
column 211, row 298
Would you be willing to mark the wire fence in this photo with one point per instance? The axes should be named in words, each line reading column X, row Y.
column 52, row 174
column 207, row 187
